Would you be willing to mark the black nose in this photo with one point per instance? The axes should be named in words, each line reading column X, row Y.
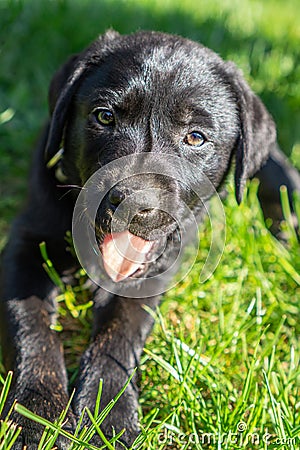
column 116, row 197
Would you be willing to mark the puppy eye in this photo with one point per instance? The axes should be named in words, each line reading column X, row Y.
column 194, row 139
column 104, row 116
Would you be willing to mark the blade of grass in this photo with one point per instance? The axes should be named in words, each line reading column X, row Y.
column 99, row 431
column 46, row 423
column 5, row 390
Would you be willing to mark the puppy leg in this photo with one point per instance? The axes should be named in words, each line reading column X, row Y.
column 122, row 329
column 30, row 348
column 276, row 172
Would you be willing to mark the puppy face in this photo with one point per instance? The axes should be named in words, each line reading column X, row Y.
column 152, row 95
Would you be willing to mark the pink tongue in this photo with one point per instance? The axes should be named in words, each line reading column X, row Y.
column 123, row 254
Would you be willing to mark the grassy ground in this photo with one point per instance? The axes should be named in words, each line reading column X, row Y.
column 221, row 369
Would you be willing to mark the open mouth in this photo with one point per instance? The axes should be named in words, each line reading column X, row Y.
column 126, row 255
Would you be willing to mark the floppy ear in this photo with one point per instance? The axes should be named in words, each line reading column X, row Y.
column 64, row 85
column 62, row 88
column 257, row 132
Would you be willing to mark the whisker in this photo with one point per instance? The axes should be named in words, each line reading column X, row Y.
column 72, row 186
column 64, row 195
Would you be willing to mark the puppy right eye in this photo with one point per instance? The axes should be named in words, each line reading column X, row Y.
column 194, row 139
column 104, row 116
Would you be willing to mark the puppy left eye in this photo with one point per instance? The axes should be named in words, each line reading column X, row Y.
column 104, row 116
column 194, row 139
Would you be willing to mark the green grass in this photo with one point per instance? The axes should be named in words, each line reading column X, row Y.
column 223, row 359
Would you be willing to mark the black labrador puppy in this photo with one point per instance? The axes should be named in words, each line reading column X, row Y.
column 143, row 94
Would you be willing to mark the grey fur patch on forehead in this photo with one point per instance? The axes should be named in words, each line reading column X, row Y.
column 162, row 48
column 151, row 57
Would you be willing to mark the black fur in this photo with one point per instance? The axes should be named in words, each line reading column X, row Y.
column 160, row 87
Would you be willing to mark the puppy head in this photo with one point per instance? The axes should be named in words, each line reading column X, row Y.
column 172, row 93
